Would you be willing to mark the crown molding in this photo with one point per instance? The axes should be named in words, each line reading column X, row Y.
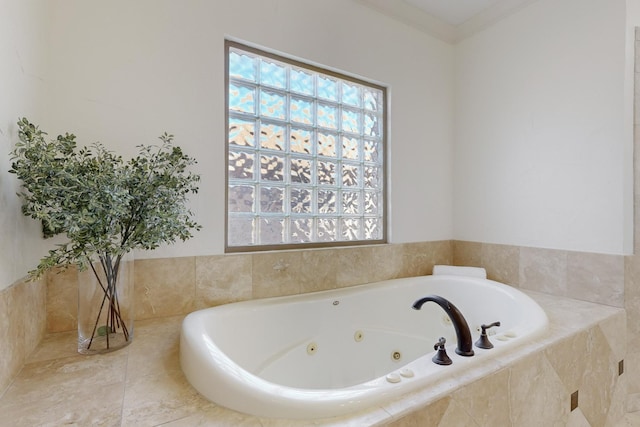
column 429, row 24
column 489, row 17
column 414, row 17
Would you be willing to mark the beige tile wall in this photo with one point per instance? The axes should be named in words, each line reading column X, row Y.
column 632, row 307
column 531, row 386
column 606, row 279
column 22, row 326
column 598, row 278
column 171, row 286
column 166, row 287
column 536, row 390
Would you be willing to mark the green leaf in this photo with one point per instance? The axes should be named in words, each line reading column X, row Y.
column 102, row 203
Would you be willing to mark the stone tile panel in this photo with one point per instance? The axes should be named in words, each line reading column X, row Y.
column 467, row 253
column 276, row 273
column 599, row 379
column 486, row 400
column 569, row 360
column 76, row 390
column 419, row 258
column 501, row 262
column 596, row 278
column 543, row 270
column 537, row 395
column 164, row 287
column 22, row 326
column 62, row 300
column 221, row 279
column 430, row 415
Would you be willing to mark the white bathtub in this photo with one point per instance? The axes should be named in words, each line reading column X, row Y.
column 334, row 352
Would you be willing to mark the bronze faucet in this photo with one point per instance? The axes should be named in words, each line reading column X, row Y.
column 463, row 334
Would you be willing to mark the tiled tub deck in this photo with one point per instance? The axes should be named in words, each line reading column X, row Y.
column 142, row 385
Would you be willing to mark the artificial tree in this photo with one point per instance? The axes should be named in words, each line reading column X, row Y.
column 106, row 207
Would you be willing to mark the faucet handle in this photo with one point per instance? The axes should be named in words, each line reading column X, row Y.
column 483, row 341
column 441, row 357
column 490, row 325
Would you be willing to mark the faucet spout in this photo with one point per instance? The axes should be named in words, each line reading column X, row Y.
column 463, row 333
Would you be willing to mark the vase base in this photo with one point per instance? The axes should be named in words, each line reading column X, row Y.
column 99, row 344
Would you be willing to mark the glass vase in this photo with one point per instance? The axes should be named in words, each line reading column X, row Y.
column 105, row 304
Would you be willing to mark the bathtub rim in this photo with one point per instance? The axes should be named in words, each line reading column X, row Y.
column 269, row 394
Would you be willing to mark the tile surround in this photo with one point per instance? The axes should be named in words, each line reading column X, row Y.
column 22, row 326
column 632, row 306
column 222, row 279
column 483, row 401
column 592, row 277
column 142, row 384
column 534, row 388
column 276, row 273
column 198, row 282
column 167, row 287
column 62, row 300
column 164, row 287
column 544, row 270
column 606, row 279
column 170, row 287
column 596, row 277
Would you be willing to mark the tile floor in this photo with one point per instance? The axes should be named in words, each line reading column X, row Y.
column 140, row 385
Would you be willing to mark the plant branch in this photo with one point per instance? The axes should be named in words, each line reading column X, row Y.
column 105, row 206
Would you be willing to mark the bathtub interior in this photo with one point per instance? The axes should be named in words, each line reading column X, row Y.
column 340, row 338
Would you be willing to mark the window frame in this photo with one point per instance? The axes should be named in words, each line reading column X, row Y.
column 383, row 142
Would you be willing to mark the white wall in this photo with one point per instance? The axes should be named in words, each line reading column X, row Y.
column 123, row 72
column 542, row 140
column 541, row 148
column 22, row 59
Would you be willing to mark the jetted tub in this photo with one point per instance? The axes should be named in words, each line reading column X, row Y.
column 330, row 353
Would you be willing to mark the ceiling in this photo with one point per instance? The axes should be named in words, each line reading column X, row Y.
column 454, row 12
column 448, row 20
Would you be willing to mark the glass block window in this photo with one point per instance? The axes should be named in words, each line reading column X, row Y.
column 305, row 154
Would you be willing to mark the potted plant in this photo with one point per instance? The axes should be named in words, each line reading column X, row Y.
column 106, row 207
